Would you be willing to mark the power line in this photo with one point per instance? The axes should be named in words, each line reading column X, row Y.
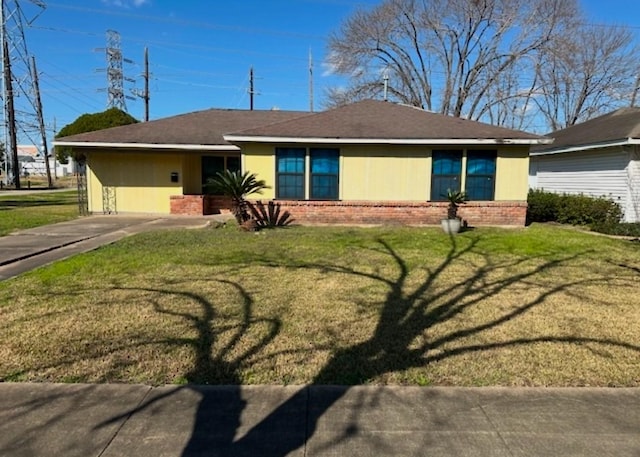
column 173, row 46
column 188, row 23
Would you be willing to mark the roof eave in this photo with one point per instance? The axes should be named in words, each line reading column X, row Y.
column 589, row 146
column 417, row 141
column 186, row 147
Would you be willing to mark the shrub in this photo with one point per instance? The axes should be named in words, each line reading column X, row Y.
column 543, row 206
column 572, row 209
column 269, row 216
column 622, row 229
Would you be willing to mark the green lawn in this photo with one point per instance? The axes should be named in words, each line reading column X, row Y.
column 541, row 306
column 33, row 210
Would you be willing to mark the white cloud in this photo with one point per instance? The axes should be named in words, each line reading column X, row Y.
column 126, row 3
column 330, row 64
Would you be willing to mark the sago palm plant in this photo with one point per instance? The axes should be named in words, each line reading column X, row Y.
column 236, row 186
column 455, row 199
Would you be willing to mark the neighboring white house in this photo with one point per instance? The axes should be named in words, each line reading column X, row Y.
column 600, row 158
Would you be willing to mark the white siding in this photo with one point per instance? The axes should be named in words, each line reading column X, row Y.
column 599, row 173
column 632, row 211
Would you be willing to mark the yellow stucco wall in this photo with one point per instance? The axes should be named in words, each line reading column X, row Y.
column 137, row 182
column 512, row 174
column 376, row 172
column 385, row 173
column 261, row 160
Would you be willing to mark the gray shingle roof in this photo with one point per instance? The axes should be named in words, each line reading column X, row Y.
column 615, row 126
column 372, row 119
column 365, row 120
column 198, row 128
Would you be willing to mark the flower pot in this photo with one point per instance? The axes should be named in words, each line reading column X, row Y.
column 451, row 225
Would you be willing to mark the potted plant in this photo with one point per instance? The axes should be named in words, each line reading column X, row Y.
column 453, row 223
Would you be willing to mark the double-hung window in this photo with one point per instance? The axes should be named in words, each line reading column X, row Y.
column 478, row 179
column 290, row 167
column 446, row 174
column 481, row 175
column 324, row 173
column 311, row 173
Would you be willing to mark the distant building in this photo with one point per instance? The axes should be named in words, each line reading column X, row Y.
column 32, row 163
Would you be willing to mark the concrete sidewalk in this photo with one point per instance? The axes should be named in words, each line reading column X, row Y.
column 25, row 250
column 270, row 421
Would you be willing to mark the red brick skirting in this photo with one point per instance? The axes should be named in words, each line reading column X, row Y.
column 365, row 212
column 404, row 213
column 198, row 205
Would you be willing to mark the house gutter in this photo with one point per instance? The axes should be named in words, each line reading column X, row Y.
column 586, row 147
column 186, row 147
column 420, row 141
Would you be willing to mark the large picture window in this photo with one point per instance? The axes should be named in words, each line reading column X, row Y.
column 290, row 165
column 324, row 173
column 446, row 174
column 481, row 175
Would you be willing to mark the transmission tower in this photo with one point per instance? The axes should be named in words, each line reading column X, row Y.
column 18, row 99
column 115, row 73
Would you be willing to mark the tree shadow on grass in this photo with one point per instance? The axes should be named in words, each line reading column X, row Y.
column 408, row 312
column 215, row 362
column 402, row 339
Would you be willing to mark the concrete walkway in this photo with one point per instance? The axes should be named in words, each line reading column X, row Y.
column 25, row 250
column 270, row 421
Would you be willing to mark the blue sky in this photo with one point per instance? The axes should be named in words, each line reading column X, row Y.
column 200, row 52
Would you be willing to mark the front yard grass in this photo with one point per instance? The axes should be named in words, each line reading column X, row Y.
column 33, row 210
column 541, row 306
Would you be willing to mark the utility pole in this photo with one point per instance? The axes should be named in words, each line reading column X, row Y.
column 144, row 94
column 43, row 133
column 55, row 159
column 310, row 81
column 5, row 123
column 10, row 112
column 17, row 87
column 146, row 84
column 386, row 85
column 251, row 91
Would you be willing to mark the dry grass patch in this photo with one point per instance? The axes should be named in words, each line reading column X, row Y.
column 539, row 306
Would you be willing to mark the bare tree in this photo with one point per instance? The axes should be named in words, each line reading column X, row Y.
column 592, row 71
column 449, row 56
column 510, row 101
